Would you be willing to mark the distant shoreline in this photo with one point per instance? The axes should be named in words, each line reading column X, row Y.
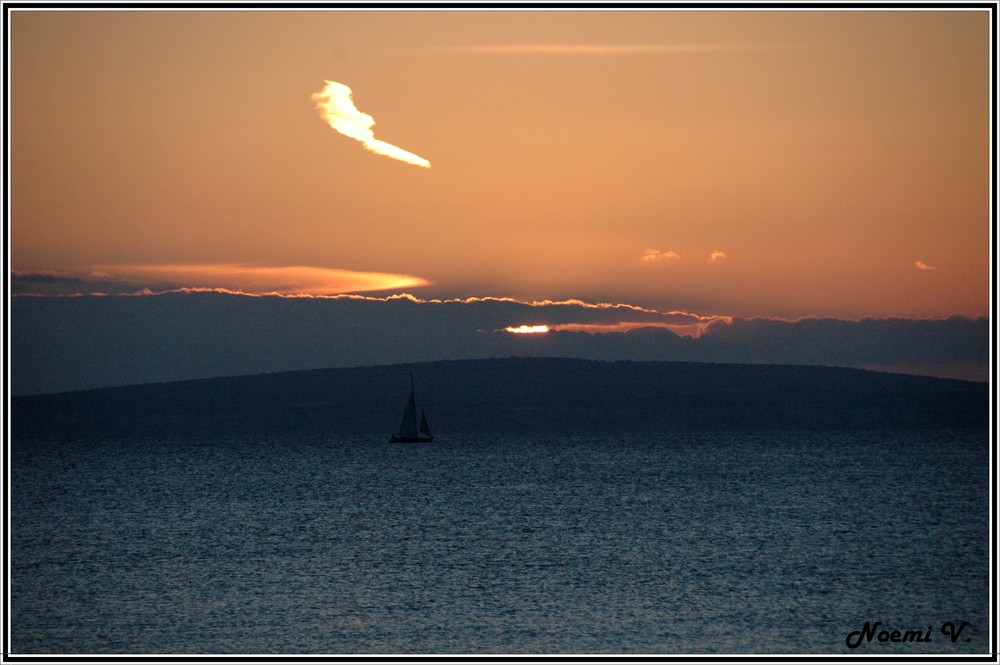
column 516, row 395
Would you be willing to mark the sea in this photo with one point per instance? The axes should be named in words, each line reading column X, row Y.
column 867, row 543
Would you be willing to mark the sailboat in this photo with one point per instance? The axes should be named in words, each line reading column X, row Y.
column 408, row 430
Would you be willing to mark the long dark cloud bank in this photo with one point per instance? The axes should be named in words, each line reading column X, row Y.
column 73, row 343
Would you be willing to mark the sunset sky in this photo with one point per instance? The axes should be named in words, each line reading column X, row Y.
column 748, row 163
column 684, row 170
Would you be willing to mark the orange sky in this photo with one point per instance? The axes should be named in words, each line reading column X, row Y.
column 836, row 162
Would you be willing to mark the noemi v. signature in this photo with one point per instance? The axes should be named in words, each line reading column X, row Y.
column 871, row 631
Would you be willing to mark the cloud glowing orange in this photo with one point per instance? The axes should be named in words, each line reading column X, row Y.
column 683, row 329
column 261, row 280
column 655, row 255
column 337, row 108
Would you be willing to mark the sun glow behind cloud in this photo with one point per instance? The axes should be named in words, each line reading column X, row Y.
column 693, row 330
column 603, row 318
column 337, row 108
column 527, row 330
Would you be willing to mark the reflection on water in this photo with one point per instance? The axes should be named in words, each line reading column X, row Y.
column 681, row 543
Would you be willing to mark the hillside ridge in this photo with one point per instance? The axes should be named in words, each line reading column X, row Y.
column 514, row 394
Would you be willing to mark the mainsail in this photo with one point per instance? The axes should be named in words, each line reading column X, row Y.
column 408, row 430
column 408, row 427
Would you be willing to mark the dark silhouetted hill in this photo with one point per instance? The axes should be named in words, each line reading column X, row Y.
column 514, row 395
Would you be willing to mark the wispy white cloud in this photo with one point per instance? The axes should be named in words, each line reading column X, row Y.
column 337, row 108
column 655, row 255
column 601, row 49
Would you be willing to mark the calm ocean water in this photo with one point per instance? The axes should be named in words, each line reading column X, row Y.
column 674, row 543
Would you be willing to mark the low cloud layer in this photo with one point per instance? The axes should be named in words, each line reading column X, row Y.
column 63, row 344
column 337, row 108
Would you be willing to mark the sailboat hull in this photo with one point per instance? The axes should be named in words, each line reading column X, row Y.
column 406, row 438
